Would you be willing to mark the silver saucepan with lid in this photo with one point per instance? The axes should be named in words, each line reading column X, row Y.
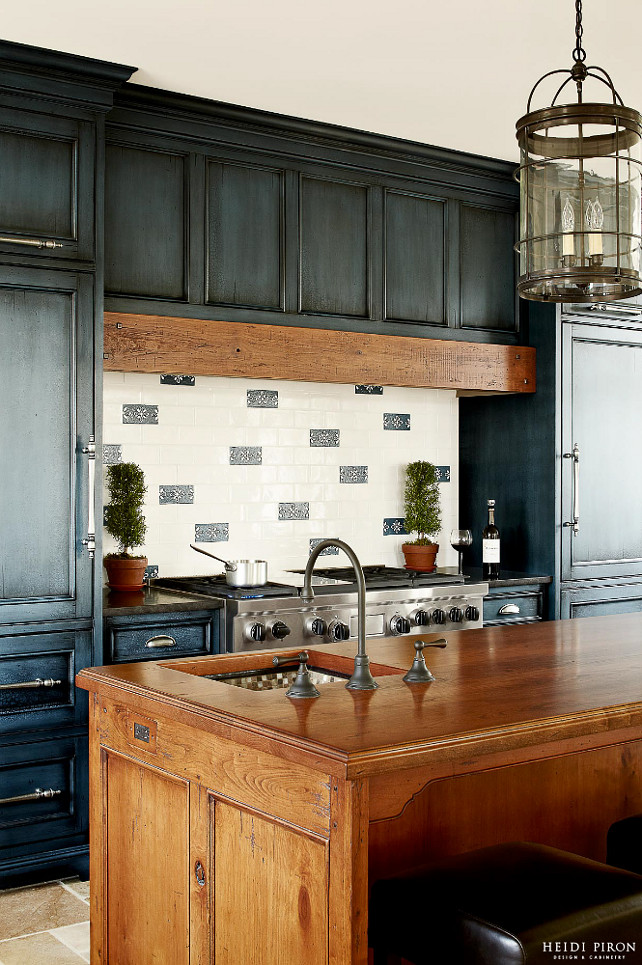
column 240, row 572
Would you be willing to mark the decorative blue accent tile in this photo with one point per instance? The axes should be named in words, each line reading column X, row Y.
column 112, row 454
column 211, row 532
column 328, row 551
column 294, row 510
column 328, row 438
column 175, row 494
column 262, row 399
column 368, row 390
column 151, row 572
column 394, row 527
column 177, row 380
column 246, row 455
column 444, row 473
column 139, row 414
column 353, row 474
column 396, row 420
column 104, row 515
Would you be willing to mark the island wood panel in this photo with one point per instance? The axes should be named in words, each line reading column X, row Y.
column 270, row 891
column 158, row 343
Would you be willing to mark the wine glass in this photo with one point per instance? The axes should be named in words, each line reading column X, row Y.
column 459, row 540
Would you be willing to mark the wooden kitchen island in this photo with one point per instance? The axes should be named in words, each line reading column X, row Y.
column 243, row 828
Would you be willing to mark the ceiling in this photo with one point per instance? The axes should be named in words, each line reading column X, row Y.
column 452, row 74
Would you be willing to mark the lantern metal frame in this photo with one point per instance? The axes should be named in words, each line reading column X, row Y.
column 565, row 280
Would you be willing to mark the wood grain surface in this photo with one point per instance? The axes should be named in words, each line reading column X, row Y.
column 158, row 343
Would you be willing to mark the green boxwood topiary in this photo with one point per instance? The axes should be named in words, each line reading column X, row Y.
column 422, row 511
column 123, row 517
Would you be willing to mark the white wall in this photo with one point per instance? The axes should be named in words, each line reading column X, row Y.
column 189, row 446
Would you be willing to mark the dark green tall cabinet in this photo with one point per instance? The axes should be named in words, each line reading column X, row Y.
column 52, row 109
column 565, row 464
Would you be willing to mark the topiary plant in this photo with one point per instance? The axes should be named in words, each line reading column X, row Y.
column 123, row 517
column 422, row 511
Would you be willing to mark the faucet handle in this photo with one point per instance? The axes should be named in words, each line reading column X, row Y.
column 302, row 686
column 419, row 672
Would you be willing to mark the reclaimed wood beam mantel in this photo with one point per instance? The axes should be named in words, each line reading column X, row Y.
column 157, row 343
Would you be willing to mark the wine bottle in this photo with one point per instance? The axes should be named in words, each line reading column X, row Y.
column 490, row 545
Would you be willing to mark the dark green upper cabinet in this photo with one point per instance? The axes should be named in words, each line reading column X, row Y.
column 47, row 185
column 146, row 235
column 415, row 258
column 487, row 267
column 245, row 238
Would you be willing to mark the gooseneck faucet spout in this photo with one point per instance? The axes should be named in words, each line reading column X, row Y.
column 362, row 678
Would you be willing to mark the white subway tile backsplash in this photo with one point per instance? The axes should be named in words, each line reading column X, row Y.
column 198, row 426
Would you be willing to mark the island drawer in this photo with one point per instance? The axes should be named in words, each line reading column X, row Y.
column 145, row 637
column 515, row 605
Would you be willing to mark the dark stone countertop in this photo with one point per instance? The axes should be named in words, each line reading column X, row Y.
column 155, row 600
column 506, row 579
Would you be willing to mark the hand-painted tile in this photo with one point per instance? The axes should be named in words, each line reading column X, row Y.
column 246, row 455
column 353, row 474
column 112, row 454
column 211, row 532
column 368, row 390
column 328, row 438
column 328, row 551
column 177, row 380
column 396, row 420
column 175, row 494
column 394, row 526
column 139, row 414
column 151, row 572
column 294, row 510
column 262, row 399
column 444, row 473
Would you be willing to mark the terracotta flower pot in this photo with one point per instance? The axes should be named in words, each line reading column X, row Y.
column 420, row 558
column 125, row 574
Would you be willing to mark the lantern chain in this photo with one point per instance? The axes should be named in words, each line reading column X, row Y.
column 579, row 54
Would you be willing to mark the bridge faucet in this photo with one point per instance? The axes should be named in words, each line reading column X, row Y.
column 361, row 678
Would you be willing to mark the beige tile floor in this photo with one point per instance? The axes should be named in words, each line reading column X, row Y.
column 45, row 924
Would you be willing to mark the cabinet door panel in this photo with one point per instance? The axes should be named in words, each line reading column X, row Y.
column 595, row 601
column 334, row 248
column 244, row 236
column 602, row 402
column 46, row 395
column 415, row 258
column 487, row 265
column 145, row 223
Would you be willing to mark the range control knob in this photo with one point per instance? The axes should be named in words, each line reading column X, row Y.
column 280, row 630
column 471, row 613
column 339, row 630
column 456, row 614
column 317, row 627
column 438, row 616
column 399, row 625
column 255, row 632
column 420, row 618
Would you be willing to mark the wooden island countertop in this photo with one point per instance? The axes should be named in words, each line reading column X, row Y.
column 527, row 732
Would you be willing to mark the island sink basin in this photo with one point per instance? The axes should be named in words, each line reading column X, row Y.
column 276, row 678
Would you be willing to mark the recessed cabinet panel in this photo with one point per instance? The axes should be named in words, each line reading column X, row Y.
column 334, row 275
column 487, row 266
column 414, row 258
column 245, row 220
column 145, row 223
column 37, row 185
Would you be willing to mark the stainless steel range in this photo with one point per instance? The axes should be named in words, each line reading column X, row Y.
column 397, row 603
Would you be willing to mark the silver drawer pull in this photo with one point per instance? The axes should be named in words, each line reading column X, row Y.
column 160, row 641
column 32, row 242
column 508, row 608
column 30, row 684
column 38, row 795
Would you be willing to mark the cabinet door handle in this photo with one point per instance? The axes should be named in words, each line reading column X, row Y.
column 575, row 456
column 161, row 641
column 90, row 539
column 508, row 608
column 616, row 309
column 29, row 684
column 37, row 795
column 32, row 242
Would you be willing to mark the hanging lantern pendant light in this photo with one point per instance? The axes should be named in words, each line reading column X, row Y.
column 580, row 236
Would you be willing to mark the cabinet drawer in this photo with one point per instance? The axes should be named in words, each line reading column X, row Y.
column 171, row 634
column 523, row 606
column 43, row 794
column 37, row 672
